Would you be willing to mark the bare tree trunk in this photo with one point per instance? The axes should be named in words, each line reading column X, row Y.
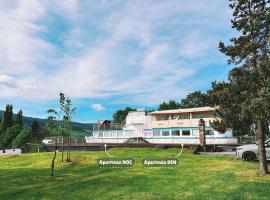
column 202, row 134
column 54, row 157
column 68, row 149
column 266, row 125
column 62, row 148
column 261, row 146
column 69, row 154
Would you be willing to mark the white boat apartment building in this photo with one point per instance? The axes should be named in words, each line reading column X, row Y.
column 178, row 126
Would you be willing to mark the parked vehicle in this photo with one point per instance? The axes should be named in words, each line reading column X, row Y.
column 48, row 140
column 249, row 152
column 4, row 152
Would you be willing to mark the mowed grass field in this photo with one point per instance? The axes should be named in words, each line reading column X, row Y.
column 27, row 177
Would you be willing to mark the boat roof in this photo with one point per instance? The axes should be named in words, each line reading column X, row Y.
column 185, row 110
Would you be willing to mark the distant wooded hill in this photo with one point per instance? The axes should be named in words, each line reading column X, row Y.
column 76, row 126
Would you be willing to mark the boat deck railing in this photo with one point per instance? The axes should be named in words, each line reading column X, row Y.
column 107, row 126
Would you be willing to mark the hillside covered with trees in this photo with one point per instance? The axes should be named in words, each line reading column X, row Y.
column 12, row 132
column 18, row 131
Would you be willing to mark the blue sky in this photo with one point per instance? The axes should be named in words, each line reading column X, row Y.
column 106, row 55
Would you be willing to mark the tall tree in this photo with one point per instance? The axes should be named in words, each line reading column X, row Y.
column 9, row 135
column 194, row 100
column 35, row 130
column 229, row 97
column 68, row 110
column 19, row 119
column 120, row 115
column 22, row 139
column 52, row 128
column 163, row 106
column 7, row 117
column 172, row 104
column 251, row 19
column 251, row 47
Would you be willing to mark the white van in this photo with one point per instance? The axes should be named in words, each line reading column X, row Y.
column 48, row 140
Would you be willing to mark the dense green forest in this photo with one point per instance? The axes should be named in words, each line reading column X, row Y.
column 18, row 131
column 12, row 132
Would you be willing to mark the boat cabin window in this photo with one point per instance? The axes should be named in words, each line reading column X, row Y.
column 100, row 134
column 156, row 133
column 162, row 117
column 174, row 117
column 106, row 134
column 209, row 132
column 203, row 115
column 184, row 116
column 186, row 132
column 165, row 133
column 175, row 132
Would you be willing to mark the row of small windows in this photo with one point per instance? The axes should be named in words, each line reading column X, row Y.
column 172, row 117
column 171, row 133
column 180, row 132
column 158, row 133
column 110, row 134
column 203, row 115
column 184, row 116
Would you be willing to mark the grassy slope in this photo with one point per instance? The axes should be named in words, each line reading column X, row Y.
column 197, row 177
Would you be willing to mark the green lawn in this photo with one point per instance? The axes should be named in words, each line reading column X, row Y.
column 197, row 177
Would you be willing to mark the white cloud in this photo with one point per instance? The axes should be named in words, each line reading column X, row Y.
column 97, row 107
column 21, row 49
column 137, row 49
column 11, row 87
column 6, row 80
